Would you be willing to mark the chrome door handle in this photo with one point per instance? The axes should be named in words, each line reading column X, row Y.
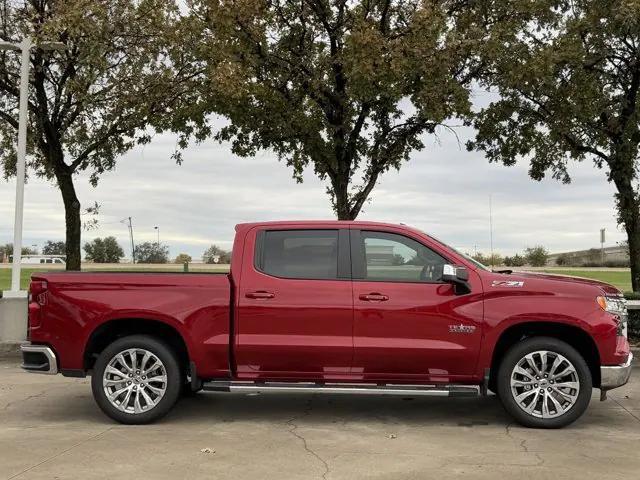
column 374, row 297
column 260, row 295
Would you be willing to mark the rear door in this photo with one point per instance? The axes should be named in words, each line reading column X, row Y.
column 295, row 304
column 406, row 319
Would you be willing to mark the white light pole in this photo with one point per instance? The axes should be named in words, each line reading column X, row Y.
column 23, row 116
column 158, row 229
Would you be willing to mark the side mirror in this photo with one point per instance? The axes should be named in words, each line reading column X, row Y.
column 458, row 277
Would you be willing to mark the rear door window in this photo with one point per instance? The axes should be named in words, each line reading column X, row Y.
column 304, row 254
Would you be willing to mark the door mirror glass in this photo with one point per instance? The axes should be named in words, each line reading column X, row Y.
column 458, row 276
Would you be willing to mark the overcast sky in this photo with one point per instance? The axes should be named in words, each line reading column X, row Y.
column 443, row 190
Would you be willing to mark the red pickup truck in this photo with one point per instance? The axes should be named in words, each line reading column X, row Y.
column 333, row 307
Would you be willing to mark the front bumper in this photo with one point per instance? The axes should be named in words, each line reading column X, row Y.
column 39, row 359
column 616, row 376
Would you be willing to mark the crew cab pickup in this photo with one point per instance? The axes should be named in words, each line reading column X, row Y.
column 333, row 307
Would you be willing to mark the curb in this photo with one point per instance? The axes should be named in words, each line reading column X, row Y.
column 10, row 349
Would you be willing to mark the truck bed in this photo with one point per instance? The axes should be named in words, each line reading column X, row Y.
column 195, row 305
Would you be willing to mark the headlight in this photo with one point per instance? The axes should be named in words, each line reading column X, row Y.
column 617, row 306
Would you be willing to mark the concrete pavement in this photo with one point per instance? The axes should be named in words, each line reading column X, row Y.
column 50, row 428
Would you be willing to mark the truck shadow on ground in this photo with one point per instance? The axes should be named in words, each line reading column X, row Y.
column 340, row 409
column 319, row 409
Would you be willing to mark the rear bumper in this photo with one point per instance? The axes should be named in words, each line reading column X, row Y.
column 615, row 376
column 39, row 359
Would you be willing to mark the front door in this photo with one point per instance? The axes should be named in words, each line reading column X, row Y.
column 407, row 322
column 295, row 307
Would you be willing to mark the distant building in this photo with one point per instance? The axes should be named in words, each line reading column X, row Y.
column 612, row 255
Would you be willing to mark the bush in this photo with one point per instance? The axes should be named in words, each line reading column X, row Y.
column 562, row 260
column 634, row 326
column 536, row 256
column 518, row 260
column 617, row 263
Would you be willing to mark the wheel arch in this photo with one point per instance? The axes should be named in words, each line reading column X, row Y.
column 109, row 331
column 570, row 334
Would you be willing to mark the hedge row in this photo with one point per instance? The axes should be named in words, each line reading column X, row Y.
column 634, row 326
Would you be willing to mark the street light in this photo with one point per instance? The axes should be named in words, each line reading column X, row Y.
column 25, row 48
column 158, row 230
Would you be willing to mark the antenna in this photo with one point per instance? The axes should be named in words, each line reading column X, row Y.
column 491, row 228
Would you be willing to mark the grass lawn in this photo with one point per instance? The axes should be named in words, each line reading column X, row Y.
column 618, row 278
column 25, row 273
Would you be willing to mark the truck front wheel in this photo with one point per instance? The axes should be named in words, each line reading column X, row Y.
column 136, row 379
column 544, row 382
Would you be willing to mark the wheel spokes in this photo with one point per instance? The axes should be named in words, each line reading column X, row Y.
column 125, row 381
column 539, row 390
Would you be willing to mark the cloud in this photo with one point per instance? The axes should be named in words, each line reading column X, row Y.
column 443, row 190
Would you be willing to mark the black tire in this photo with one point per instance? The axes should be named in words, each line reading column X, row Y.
column 174, row 376
column 518, row 352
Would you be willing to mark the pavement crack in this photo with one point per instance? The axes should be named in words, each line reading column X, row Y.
column 93, row 437
column 6, row 407
column 523, row 446
column 293, row 430
column 626, row 410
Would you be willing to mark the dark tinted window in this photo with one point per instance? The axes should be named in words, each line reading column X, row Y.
column 311, row 254
column 396, row 258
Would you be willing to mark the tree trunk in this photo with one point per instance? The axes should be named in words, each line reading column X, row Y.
column 341, row 199
column 629, row 215
column 633, row 235
column 72, row 220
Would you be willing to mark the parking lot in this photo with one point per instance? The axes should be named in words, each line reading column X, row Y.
column 51, row 428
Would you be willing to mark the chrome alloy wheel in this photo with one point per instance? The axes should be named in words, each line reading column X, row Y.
column 135, row 380
column 545, row 384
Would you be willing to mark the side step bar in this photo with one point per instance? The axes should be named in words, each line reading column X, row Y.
column 349, row 388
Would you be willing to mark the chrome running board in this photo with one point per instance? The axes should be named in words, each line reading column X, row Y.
column 348, row 388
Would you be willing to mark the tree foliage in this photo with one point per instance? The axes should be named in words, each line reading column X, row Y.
column 53, row 248
column 94, row 101
column 568, row 78
column 152, row 252
column 536, row 256
column 103, row 250
column 7, row 250
column 213, row 252
column 347, row 87
column 182, row 258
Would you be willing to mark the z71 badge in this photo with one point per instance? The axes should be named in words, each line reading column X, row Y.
column 507, row 283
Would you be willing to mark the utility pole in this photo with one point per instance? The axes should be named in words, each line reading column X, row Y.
column 24, row 48
column 602, row 244
column 491, row 228
column 127, row 221
column 158, row 242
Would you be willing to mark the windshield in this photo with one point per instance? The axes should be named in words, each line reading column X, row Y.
column 462, row 254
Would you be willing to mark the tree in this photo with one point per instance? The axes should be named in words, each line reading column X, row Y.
column 536, row 256
column 152, row 252
column 94, row 101
column 7, row 250
column 105, row 250
column 349, row 88
column 568, row 78
column 53, row 248
column 480, row 257
column 562, row 260
column 182, row 258
column 210, row 254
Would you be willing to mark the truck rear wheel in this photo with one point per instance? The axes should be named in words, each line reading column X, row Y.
column 136, row 379
column 544, row 382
